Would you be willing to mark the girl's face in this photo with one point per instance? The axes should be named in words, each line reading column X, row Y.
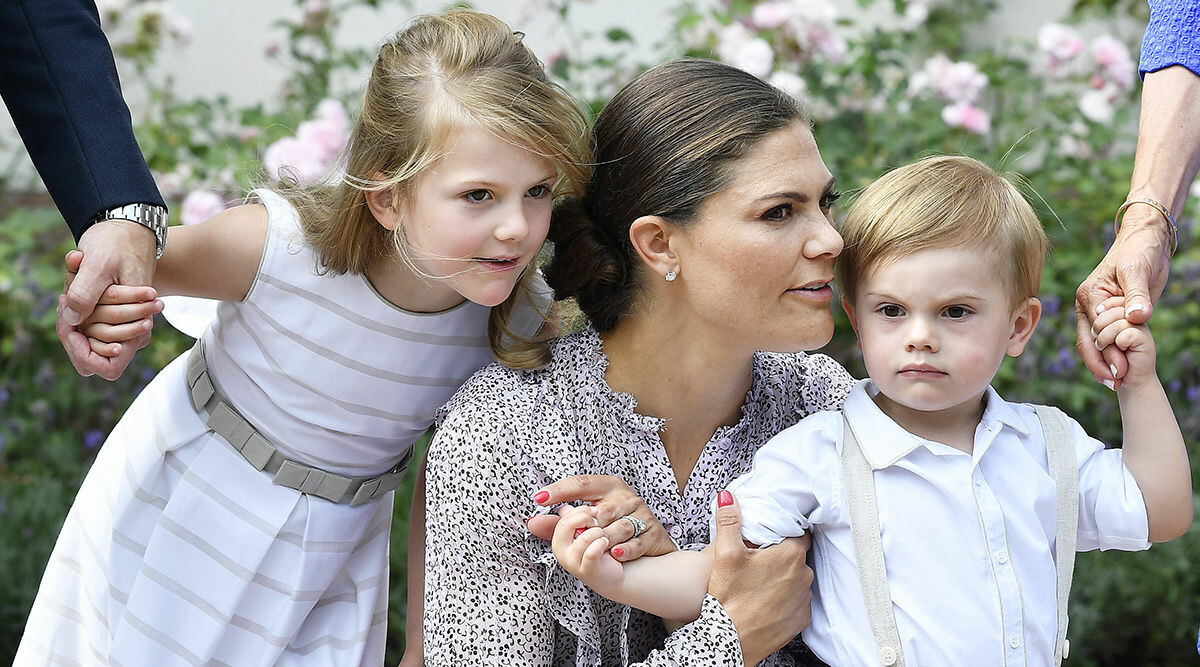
column 477, row 217
column 756, row 264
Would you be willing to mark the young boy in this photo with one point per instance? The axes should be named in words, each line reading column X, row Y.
column 937, row 507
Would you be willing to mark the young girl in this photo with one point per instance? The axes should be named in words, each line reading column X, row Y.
column 239, row 512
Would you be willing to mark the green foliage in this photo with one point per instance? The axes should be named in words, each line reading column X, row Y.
column 873, row 111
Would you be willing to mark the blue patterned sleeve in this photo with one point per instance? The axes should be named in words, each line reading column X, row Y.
column 1172, row 36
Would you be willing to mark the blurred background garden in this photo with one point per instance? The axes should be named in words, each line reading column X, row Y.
column 1053, row 100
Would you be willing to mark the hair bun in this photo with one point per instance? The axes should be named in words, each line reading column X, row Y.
column 585, row 266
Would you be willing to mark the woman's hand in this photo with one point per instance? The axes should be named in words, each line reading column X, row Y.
column 766, row 592
column 612, row 499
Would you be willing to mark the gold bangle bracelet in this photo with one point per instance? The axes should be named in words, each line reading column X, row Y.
column 1156, row 206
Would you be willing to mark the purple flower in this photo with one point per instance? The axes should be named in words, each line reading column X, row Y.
column 1193, row 394
column 1051, row 304
column 92, row 439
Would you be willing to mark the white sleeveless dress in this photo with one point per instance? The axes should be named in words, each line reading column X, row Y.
column 178, row 552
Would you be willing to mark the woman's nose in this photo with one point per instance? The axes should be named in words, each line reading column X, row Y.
column 825, row 241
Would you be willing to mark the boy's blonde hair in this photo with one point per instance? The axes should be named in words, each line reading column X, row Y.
column 438, row 75
column 943, row 202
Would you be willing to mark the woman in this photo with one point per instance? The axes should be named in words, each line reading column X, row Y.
column 703, row 237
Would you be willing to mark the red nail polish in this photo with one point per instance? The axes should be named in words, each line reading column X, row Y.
column 541, row 497
column 618, row 552
column 724, row 499
column 580, row 531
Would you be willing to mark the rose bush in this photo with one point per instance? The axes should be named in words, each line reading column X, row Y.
column 887, row 82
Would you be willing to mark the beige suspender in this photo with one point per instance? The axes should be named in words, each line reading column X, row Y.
column 1064, row 469
column 859, row 481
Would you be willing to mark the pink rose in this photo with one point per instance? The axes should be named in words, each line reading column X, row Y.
column 1112, row 56
column 968, row 117
column 289, row 156
column 772, row 14
column 199, row 206
column 1059, row 42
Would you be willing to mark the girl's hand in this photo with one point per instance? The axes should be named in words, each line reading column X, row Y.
column 582, row 549
column 611, row 498
column 1134, row 340
column 123, row 314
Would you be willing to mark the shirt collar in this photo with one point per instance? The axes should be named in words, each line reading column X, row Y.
column 884, row 442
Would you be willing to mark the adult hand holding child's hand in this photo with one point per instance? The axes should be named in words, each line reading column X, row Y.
column 612, row 499
column 766, row 592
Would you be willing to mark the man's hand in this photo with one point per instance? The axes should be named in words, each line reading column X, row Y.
column 110, row 252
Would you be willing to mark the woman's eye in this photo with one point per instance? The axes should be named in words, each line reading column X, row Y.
column 957, row 312
column 477, row 196
column 780, row 212
column 891, row 311
column 829, row 198
column 539, row 191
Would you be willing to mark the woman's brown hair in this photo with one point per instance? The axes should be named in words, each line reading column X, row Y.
column 665, row 143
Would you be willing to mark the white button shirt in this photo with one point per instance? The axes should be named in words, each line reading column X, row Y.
column 968, row 539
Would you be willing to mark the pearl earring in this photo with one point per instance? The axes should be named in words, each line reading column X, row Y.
column 671, row 275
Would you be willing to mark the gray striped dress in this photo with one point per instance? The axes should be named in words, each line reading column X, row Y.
column 177, row 551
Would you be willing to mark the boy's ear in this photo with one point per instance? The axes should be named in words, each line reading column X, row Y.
column 1024, row 320
column 849, row 308
column 653, row 238
column 385, row 205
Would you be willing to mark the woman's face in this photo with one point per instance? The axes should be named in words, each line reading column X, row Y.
column 755, row 266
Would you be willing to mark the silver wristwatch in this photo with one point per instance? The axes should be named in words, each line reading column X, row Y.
column 150, row 216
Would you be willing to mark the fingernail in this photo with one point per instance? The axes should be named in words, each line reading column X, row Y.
column 527, row 520
column 1110, row 384
column 1100, row 309
column 618, row 552
column 579, row 531
column 70, row 316
column 1113, row 368
column 1136, row 308
column 541, row 497
column 724, row 499
column 1098, row 345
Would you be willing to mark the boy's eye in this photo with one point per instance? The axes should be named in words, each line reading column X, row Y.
column 539, row 191
column 957, row 312
column 829, row 198
column 477, row 196
column 890, row 311
column 780, row 212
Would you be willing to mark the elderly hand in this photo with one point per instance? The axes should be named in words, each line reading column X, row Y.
column 1136, row 267
column 113, row 252
column 612, row 499
column 766, row 592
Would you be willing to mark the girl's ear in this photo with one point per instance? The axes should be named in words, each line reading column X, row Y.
column 1025, row 319
column 651, row 237
column 385, row 205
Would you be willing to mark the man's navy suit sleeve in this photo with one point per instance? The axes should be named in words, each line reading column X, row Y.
column 59, row 81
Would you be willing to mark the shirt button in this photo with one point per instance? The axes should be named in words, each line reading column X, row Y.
column 887, row 656
column 1015, row 641
column 1002, row 558
column 675, row 532
column 724, row 443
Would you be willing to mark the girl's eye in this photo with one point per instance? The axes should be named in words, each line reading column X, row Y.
column 539, row 191
column 477, row 196
column 890, row 311
column 781, row 212
column 829, row 198
column 957, row 312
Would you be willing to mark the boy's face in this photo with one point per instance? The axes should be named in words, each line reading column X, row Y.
column 934, row 326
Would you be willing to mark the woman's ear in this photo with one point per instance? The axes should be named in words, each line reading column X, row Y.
column 651, row 236
column 385, row 205
column 1025, row 319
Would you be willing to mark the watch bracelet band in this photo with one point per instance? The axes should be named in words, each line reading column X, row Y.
column 150, row 216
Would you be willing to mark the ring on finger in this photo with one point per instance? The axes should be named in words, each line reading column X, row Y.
column 639, row 526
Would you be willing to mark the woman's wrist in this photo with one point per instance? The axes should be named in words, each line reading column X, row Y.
column 1142, row 217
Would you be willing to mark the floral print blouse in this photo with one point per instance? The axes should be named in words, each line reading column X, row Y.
column 494, row 593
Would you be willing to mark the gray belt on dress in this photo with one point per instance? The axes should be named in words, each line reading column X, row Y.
column 225, row 421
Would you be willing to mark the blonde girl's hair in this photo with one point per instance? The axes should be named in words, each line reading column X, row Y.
column 438, row 75
column 943, row 202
